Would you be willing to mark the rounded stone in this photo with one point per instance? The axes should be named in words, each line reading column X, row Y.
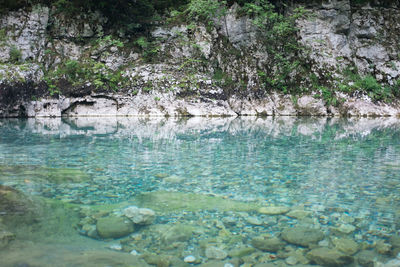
column 267, row 244
column 302, row 236
column 215, row 253
column 141, row 216
column 189, row 259
column 114, row 227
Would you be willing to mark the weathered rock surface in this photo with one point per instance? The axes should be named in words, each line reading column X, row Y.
column 302, row 236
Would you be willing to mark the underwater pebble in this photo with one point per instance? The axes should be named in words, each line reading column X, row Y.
column 189, row 259
column 116, row 247
column 134, row 252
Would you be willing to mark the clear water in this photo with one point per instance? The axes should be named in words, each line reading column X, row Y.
column 341, row 172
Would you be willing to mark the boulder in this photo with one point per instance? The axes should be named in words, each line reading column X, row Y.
column 329, row 257
column 114, row 227
column 140, row 215
column 302, row 236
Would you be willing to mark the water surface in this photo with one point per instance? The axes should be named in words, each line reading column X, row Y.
column 339, row 172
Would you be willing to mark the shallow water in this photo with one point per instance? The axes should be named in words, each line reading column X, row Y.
column 340, row 172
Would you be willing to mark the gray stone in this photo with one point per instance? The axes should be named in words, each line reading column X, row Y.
column 177, row 233
column 114, row 227
column 213, row 252
column 272, row 244
column 273, row 210
column 141, row 216
column 345, row 245
column 302, row 236
column 329, row 257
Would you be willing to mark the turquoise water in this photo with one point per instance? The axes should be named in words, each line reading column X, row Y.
column 339, row 172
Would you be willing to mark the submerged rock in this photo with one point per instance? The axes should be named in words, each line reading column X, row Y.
column 114, row 227
column 302, row 236
column 298, row 214
column 273, row 210
column 213, row 252
column 18, row 208
column 345, row 245
column 267, row 244
column 329, row 257
column 179, row 232
column 346, row 228
column 140, row 215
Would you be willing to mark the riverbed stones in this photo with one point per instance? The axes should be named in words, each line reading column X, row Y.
column 213, row 252
column 140, row 216
column 114, row 227
column 345, row 245
column 329, row 257
column 271, row 244
column 303, row 236
column 273, row 210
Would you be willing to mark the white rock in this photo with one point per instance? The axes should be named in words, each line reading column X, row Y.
column 189, row 259
column 140, row 215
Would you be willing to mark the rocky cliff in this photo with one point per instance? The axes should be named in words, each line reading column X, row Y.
column 194, row 69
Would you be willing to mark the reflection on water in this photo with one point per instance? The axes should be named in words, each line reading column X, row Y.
column 223, row 189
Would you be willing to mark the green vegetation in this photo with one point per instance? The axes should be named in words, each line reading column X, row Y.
column 80, row 73
column 15, row 55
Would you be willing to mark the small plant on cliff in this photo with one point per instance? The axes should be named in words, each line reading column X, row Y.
column 15, row 55
column 206, row 10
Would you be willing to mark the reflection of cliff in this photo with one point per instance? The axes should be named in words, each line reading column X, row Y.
column 163, row 128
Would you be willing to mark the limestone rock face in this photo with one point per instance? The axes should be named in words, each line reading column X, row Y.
column 339, row 34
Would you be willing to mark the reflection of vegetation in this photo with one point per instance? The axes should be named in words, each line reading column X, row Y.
column 31, row 173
